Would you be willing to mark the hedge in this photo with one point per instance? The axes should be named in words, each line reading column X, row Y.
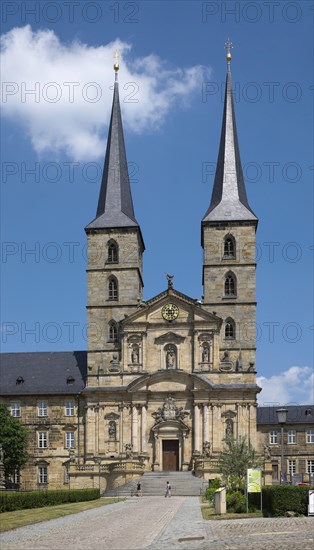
column 279, row 499
column 37, row 499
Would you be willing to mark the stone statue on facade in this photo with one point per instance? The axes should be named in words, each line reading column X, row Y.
column 205, row 354
column 128, row 450
column 112, row 429
column 206, row 449
column 267, row 452
column 171, row 358
column 170, row 280
column 135, row 355
column 169, row 411
column 114, row 363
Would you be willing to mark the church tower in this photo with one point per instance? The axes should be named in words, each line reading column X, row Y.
column 115, row 248
column 228, row 240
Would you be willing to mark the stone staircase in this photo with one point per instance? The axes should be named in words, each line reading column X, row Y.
column 154, row 483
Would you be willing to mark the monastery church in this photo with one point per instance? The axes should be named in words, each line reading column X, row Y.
column 164, row 380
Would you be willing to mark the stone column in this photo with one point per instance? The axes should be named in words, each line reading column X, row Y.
column 143, row 358
column 90, row 430
column 120, row 408
column 196, row 428
column 205, row 423
column 144, row 429
column 96, row 412
column 134, row 429
column 196, row 351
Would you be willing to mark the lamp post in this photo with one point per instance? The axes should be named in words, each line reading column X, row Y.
column 282, row 419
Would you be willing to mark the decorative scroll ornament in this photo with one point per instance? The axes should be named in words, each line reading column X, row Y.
column 169, row 411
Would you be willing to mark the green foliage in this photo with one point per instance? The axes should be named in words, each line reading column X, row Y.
column 13, row 438
column 37, row 499
column 209, row 493
column 234, row 461
column 278, row 499
column 236, row 502
column 213, row 485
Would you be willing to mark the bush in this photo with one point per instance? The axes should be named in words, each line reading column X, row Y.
column 213, row 485
column 37, row 499
column 278, row 499
column 236, row 502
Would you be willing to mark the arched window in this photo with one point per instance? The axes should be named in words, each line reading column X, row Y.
column 113, row 331
column 230, row 329
column 113, row 252
column 113, row 291
column 229, row 427
column 230, row 285
column 229, row 247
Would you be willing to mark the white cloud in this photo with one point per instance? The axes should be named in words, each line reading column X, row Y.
column 54, row 122
column 294, row 385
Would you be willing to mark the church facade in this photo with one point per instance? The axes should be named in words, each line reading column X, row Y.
column 163, row 381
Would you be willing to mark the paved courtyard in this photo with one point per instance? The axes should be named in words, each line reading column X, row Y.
column 156, row 523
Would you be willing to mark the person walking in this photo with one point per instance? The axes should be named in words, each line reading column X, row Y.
column 139, row 489
column 168, row 490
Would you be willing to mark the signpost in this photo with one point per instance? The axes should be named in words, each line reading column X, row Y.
column 311, row 504
column 253, row 484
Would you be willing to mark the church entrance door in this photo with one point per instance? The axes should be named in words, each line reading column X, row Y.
column 170, row 455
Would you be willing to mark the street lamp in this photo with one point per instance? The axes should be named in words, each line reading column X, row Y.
column 282, row 419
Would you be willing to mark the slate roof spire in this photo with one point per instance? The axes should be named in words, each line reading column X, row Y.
column 229, row 201
column 115, row 205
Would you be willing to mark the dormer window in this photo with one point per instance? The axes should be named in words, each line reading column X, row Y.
column 19, row 380
column 70, row 380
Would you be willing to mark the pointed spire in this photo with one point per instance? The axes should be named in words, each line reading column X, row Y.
column 115, row 205
column 229, row 201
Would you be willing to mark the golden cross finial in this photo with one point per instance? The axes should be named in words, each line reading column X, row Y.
column 116, row 61
column 228, row 47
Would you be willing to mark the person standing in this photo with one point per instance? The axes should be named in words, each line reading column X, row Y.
column 168, row 490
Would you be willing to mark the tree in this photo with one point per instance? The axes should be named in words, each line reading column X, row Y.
column 13, row 438
column 234, row 461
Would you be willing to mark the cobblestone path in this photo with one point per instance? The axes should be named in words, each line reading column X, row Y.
column 156, row 523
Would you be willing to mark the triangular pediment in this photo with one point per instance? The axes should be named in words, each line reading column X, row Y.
column 189, row 310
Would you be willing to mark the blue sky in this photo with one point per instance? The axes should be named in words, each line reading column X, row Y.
column 171, row 88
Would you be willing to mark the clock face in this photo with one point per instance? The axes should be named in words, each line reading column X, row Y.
column 170, row 312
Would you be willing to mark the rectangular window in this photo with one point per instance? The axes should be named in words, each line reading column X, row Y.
column 272, row 437
column 69, row 440
column 42, row 408
column 15, row 409
column 42, row 474
column 310, row 436
column 69, row 408
column 15, row 477
column 310, row 466
column 292, row 437
column 42, row 440
column 292, row 466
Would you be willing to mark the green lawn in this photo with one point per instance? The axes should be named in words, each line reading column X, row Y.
column 209, row 513
column 19, row 518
